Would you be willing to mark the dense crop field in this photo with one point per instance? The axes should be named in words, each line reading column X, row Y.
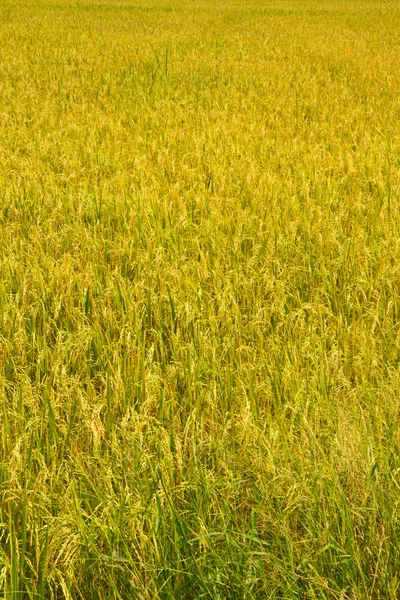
column 199, row 299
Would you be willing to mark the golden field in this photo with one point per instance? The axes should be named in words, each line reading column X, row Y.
column 199, row 299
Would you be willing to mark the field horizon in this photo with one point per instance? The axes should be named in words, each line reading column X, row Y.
column 199, row 299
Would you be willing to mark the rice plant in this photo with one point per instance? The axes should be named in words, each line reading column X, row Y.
column 199, row 299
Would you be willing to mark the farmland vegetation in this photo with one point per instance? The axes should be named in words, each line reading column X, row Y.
column 199, row 299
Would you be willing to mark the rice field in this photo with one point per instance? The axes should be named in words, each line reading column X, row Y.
column 199, row 299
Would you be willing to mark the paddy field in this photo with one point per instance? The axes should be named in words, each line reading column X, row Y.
column 199, row 299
